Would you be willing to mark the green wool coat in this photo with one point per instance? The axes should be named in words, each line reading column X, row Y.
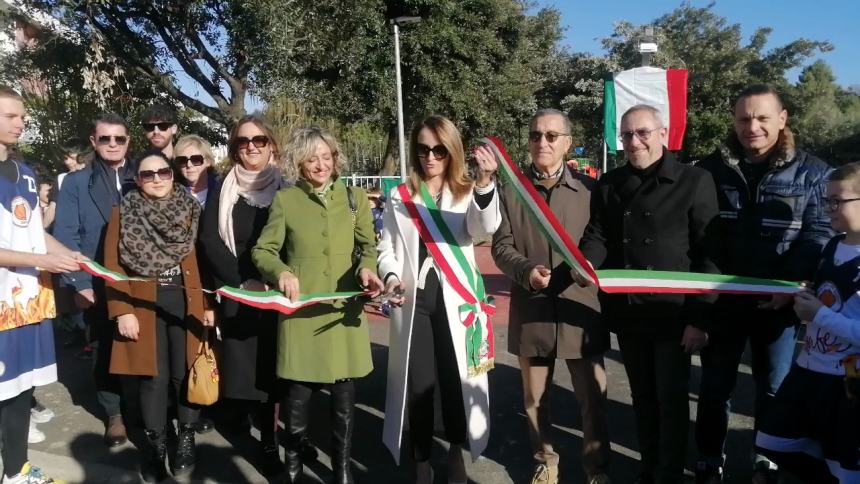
column 314, row 241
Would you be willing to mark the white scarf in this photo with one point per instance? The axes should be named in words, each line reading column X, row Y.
column 258, row 188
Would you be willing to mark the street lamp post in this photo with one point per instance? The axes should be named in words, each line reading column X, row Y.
column 397, row 22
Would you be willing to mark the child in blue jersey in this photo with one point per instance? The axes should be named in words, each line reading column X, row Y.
column 813, row 428
column 26, row 302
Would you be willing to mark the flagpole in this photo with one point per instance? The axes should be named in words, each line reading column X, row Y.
column 605, row 162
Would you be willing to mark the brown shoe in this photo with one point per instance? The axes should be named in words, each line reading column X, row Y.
column 115, row 432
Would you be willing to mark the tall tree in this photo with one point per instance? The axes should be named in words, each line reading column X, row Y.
column 181, row 47
column 478, row 62
column 827, row 113
column 720, row 64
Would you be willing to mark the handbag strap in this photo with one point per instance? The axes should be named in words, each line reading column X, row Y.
column 204, row 342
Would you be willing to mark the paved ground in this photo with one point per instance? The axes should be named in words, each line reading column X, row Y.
column 74, row 450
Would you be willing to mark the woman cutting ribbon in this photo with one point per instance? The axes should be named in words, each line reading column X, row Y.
column 309, row 246
column 427, row 260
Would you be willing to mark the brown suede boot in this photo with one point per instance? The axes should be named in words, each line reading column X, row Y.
column 115, row 432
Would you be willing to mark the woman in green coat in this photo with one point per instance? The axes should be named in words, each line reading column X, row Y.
column 308, row 246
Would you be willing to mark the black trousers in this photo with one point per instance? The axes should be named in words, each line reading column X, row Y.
column 432, row 362
column 14, row 429
column 172, row 371
column 659, row 370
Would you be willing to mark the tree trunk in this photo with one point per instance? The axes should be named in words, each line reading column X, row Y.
column 391, row 161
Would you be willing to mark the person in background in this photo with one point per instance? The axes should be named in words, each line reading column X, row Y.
column 194, row 160
column 26, row 337
column 45, row 189
column 76, row 155
column 234, row 216
column 307, row 247
column 427, row 335
column 159, row 126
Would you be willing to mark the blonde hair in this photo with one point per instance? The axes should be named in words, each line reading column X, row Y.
column 302, row 146
column 849, row 173
column 194, row 141
column 456, row 176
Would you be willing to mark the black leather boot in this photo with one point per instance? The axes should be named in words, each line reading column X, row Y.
column 297, row 424
column 153, row 467
column 183, row 461
column 342, row 416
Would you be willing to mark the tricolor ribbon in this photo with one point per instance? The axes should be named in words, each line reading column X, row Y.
column 464, row 279
column 540, row 212
column 629, row 281
column 268, row 300
column 622, row 281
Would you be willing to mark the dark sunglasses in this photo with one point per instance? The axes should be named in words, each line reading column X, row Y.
column 147, row 176
column 259, row 142
column 161, row 126
column 551, row 136
column 105, row 139
column 196, row 160
column 439, row 151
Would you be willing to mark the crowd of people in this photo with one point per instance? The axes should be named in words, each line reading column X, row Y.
column 279, row 217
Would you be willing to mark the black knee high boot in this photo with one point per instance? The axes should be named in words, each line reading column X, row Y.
column 183, row 462
column 342, row 415
column 154, row 466
column 298, row 399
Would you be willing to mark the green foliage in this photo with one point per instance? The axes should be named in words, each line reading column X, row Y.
column 827, row 113
column 719, row 63
column 478, row 62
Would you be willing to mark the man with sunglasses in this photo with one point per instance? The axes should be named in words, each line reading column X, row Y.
column 159, row 127
column 654, row 213
column 775, row 226
column 551, row 317
column 83, row 210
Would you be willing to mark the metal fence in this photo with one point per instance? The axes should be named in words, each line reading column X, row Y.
column 370, row 181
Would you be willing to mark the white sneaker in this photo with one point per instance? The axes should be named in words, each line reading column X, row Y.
column 41, row 414
column 35, row 436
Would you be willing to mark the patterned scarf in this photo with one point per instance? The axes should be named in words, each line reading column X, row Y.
column 155, row 235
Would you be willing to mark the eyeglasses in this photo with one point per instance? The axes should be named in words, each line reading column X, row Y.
column 551, row 136
column 259, row 142
column 642, row 133
column 148, row 176
column 164, row 126
column 106, row 140
column 833, row 204
column 182, row 161
column 439, row 151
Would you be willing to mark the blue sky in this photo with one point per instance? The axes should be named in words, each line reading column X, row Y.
column 838, row 21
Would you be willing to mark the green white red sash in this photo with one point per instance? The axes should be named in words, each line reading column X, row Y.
column 463, row 277
column 269, row 300
column 540, row 212
column 622, row 281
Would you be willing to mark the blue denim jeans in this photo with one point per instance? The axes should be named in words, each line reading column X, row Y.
column 772, row 354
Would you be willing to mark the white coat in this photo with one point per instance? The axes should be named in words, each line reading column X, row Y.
column 398, row 254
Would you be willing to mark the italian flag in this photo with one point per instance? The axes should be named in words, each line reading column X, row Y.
column 664, row 89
